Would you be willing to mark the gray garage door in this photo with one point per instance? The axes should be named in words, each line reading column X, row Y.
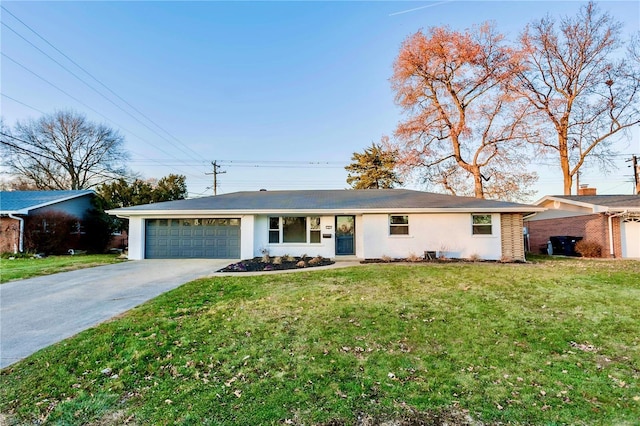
column 192, row 239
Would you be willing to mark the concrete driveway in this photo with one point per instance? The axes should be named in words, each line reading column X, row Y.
column 37, row 312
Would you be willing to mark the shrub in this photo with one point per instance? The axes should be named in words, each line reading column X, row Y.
column 51, row 233
column 588, row 248
column 414, row 258
column 277, row 260
column 98, row 227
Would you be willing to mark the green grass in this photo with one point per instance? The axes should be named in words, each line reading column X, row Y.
column 544, row 343
column 20, row 268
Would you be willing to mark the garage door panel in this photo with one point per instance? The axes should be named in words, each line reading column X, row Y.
column 630, row 237
column 193, row 238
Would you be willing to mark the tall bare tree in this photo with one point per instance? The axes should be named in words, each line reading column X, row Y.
column 464, row 131
column 64, row 151
column 583, row 89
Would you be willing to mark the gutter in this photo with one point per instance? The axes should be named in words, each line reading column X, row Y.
column 611, row 231
column 21, row 235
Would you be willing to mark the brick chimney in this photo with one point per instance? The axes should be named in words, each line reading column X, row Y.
column 585, row 190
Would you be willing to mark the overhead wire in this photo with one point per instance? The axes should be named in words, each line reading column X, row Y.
column 84, row 104
column 96, row 80
column 22, row 103
column 94, row 89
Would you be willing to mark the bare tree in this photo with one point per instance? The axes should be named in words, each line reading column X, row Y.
column 64, row 151
column 464, row 129
column 583, row 90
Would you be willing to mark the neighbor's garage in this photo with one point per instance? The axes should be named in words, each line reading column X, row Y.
column 192, row 238
column 630, row 236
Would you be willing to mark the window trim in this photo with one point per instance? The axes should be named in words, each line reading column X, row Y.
column 308, row 230
column 479, row 226
column 399, row 225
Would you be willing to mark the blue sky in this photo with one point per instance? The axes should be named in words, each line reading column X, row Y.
column 279, row 93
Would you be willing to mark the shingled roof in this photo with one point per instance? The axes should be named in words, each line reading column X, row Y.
column 20, row 202
column 396, row 200
column 617, row 201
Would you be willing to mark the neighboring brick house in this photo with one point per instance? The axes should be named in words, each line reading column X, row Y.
column 17, row 206
column 612, row 221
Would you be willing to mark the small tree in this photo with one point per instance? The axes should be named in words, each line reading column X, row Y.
column 169, row 188
column 373, row 169
column 121, row 193
column 63, row 150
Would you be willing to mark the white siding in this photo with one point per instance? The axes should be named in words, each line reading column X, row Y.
column 447, row 233
column 247, row 231
column 136, row 238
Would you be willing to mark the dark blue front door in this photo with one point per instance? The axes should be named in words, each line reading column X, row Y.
column 345, row 235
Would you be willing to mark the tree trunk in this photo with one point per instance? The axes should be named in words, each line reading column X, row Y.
column 477, row 181
column 564, row 163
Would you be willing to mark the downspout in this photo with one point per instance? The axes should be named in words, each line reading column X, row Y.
column 611, row 250
column 20, row 237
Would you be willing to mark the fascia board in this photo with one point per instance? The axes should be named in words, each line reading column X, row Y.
column 622, row 209
column 223, row 213
column 571, row 202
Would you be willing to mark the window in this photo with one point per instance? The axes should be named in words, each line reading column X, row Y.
column 77, row 228
column 274, row 230
column 398, row 225
column 294, row 230
column 314, row 232
column 481, row 224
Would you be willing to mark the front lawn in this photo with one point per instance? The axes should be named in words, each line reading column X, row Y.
column 20, row 268
column 553, row 342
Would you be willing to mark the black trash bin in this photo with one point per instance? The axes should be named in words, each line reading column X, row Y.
column 564, row 245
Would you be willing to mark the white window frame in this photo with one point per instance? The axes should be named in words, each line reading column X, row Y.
column 475, row 226
column 308, row 230
column 398, row 225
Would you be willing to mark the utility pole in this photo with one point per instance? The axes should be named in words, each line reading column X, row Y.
column 636, row 173
column 216, row 172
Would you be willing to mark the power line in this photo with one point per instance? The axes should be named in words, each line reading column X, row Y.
column 95, row 79
column 93, row 88
column 84, row 104
column 22, row 103
column 156, row 162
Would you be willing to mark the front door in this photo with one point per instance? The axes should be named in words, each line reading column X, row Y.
column 345, row 235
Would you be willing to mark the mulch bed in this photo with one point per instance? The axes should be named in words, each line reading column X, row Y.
column 276, row 264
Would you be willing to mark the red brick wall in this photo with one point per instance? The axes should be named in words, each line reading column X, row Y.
column 593, row 227
column 9, row 234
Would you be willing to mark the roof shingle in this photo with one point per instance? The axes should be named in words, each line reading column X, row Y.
column 390, row 199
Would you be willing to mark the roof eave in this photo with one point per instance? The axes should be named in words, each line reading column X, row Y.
column 564, row 200
column 185, row 213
